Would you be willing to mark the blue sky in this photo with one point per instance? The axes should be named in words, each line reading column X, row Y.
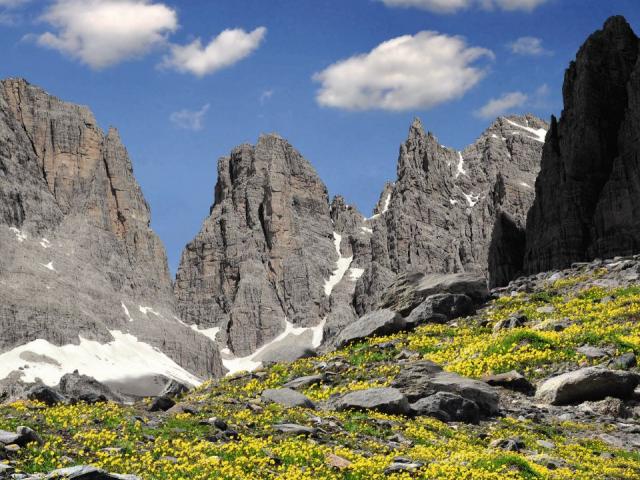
column 340, row 79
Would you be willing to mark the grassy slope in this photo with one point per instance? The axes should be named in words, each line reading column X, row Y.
column 175, row 446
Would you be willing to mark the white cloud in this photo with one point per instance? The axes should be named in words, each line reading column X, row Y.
column 438, row 6
column 228, row 48
column 452, row 6
column 502, row 105
column 528, row 46
column 189, row 119
column 403, row 73
column 266, row 95
column 102, row 33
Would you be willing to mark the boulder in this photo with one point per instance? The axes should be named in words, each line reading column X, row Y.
column 409, row 290
column 83, row 472
column 440, row 308
column 447, row 407
column 287, row 397
column 513, row 321
column 82, row 388
column 294, row 429
column 422, row 379
column 22, row 437
column 380, row 322
column 510, row 380
column 386, row 400
column 45, row 394
column 173, row 389
column 303, row 382
column 590, row 383
column 161, row 404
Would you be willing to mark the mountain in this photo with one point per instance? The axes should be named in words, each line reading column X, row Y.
column 588, row 192
column 276, row 267
column 84, row 282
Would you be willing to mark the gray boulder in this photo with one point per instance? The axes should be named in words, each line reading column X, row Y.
column 590, row 383
column 22, row 437
column 82, row 388
column 43, row 393
column 294, row 429
column 386, row 400
column 424, row 378
column 409, row 290
column 447, row 407
column 287, row 397
column 83, row 472
column 302, row 382
column 380, row 322
column 510, row 380
column 440, row 308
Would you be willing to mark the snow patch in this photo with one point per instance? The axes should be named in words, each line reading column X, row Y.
column 471, row 199
column 49, row 266
column 460, row 168
column 249, row 364
column 385, row 208
column 453, row 202
column 123, row 358
column 526, row 185
column 21, row 237
column 126, row 311
column 146, row 310
column 210, row 333
column 539, row 133
column 355, row 273
column 366, row 229
column 342, row 265
column 44, row 243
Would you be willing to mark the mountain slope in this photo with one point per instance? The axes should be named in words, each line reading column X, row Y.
column 84, row 282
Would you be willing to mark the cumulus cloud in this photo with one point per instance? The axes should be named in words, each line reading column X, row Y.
column 502, row 105
column 102, row 33
column 453, row 6
column 403, row 73
column 528, row 46
column 226, row 49
column 190, row 119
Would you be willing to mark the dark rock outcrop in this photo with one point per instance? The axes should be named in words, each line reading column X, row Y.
column 79, row 260
column 588, row 193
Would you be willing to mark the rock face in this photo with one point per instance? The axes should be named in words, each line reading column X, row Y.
column 453, row 212
column 81, row 272
column 588, row 192
column 274, row 253
column 263, row 256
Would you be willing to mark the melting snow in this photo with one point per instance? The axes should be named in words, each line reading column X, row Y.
column 123, row 358
column 146, row 310
column 248, row 364
column 472, row 199
column 366, row 229
column 49, row 266
column 355, row 273
column 385, row 209
column 342, row 265
column 45, row 243
column 453, row 202
column 461, row 170
column 210, row 333
column 21, row 237
column 539, row 134
column 126, row 311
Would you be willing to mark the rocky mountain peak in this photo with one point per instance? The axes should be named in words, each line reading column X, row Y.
column 585, row 196
column 80, row 263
